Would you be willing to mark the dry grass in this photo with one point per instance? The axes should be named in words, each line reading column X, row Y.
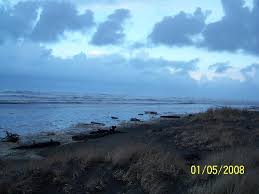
column 246, row 184
column 155, row 171
column 218, row 129
column 135, row 165
column 221, row 136
column 230, row 184
column 223, row 114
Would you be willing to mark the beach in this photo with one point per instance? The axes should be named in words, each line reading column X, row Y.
column 129, row 97
column 145, row 157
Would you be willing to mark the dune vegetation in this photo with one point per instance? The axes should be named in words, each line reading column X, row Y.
column 151, row 157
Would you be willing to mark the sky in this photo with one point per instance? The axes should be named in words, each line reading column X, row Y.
column 194, row 48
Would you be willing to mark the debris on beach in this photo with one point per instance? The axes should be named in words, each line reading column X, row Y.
column 170, row 117
column 115, row 118
column 113, row 128
column 95, row 134
column 11, row 137
column 151, row 112
column 97, row 123
column 134, row 119
column 34, row 145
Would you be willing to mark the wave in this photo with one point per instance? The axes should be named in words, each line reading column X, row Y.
column 31, row 97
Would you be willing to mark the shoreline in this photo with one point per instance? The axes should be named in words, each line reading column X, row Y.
column 65, row 136
column 148, row 157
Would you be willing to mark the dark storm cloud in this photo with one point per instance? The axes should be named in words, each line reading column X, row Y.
column 29, row 66
column 57, row 17
column 220, row 67
column 43, row 70
column 236, row 30
column 16, row 22
column 178, row 30
column 111, row 31
column 39, row 61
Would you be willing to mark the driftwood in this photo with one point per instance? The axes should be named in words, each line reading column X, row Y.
column 96, row 123
column 151, row 112
column 170, row 117
column 82, row 137
column 95, row 134
column 115, row 118
column 134, row 119
column 50, row 143
column 11, row 137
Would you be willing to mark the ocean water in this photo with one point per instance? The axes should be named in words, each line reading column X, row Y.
column 28, row 112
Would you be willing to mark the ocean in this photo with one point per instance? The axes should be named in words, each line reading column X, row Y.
column 27, row 112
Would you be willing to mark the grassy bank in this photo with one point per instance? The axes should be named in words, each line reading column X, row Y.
column 152, row 157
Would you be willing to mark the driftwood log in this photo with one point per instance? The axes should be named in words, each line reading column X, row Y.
column 95, row 134
column 50, row 143
column 135, row 120
column 11, row 137
column 170, row 117
column 151, row 112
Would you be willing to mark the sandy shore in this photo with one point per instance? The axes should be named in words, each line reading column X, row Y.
column 130, row 131
column 148, row 157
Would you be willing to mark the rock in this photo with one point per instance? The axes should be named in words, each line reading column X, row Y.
column 96, row 123
column 11, row 137
column 134, row 119
column 151, row 112
column 170, row 117
column 115, row 118
column 34, row 145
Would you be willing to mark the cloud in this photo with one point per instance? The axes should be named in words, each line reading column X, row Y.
column 31, row 67
column 153, row 63
column 220, row 67
column 16, row 22
column 30, row 58
column 236, row 30
column 178, row 30
column 111, row 31
column 251, row 73
column 58, row 17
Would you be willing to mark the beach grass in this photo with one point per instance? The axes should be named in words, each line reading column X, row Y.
column 152, row 157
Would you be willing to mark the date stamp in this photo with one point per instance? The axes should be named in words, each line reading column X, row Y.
column 217, row 170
